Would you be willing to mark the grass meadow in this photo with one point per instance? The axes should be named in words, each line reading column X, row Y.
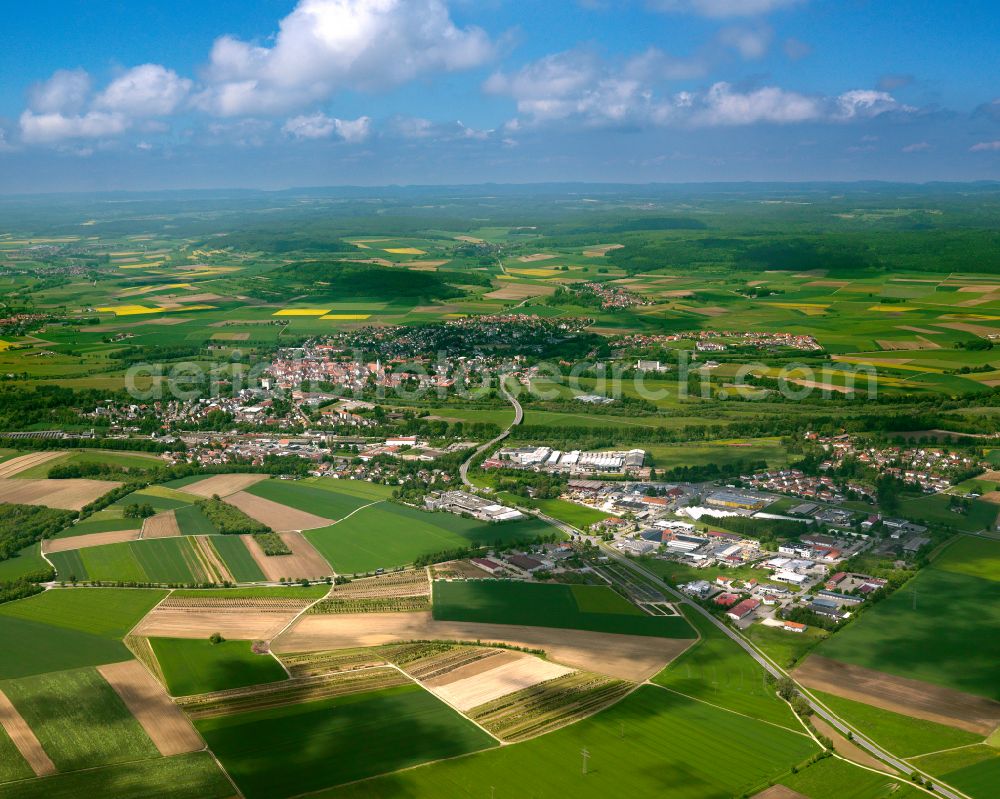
column 326, row 502
column 237, row 557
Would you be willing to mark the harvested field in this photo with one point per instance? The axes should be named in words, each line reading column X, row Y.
column 548, row 705
column 145, row 698
column 66, row 494
column 923, row 330
column 230, row 336
column 710, row 310
column 235, row 622
column 162, row 525
column 90, row 540
column 983, row 331
column 824, row 386
column 603, row 249
column 411, row 582
column 538, row 256
column 213, row 565
column 24, row 739
column 920, row 700
column 304, row 562
column 223, row 484
column 23, row 462
column 278, row 517
column 920, row 344
column 847, row 749
column 290, row 692
column 779, row 792
column 519, row 291
column 503, row 673
column 262, row 604
column 630, row 657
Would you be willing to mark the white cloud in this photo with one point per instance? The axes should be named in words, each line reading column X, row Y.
column 916, row 147
column 321, row 126
column 65, row 92
column 720, row 105
column 867, row 103
column 54, row 127
column 412, row 127
column 986, row 146
column 146, row 90
column 722, row 8
column 327, row 45
column 5, row 146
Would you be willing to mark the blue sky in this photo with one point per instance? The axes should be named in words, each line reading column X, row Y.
column 135, row 94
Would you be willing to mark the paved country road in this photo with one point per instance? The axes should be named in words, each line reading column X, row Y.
column 463, row 470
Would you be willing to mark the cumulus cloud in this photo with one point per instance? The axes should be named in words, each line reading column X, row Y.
column 65, row 92
column 146, row 90
column 321, row 126
column 327, row 45
column 52, row 127
column 867, row 103
column 721, row 105
column 986, row 147
column 722, row 8
column 917, row 147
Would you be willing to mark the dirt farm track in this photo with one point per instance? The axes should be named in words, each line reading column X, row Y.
column 628, row 657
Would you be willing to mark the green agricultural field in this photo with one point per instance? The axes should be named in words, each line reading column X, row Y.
column 629, row 755
column 574, row 515
column 99, row 526
column 195, row 666
column 721, row 453
column 784, row 647
column 237, row 557
column 354, row 488
column 167, row 560
column 972, row 556
column 24, row 562
column 974, row 770
column 718, row 671
column 192, row 521
column 899, row 734
column 12, row 765
column 833, row 778
column 933, row 509
column 108, row 562
column 326, row 502
column 159, row 497
column 951, row 637
column 108, row 612
column 193, row 776
column 305, row 747
column 575, row 607
column 389, row 535
column 34, row 648
column 79, row 719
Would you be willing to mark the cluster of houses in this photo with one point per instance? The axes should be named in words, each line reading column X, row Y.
column 798, row 484
column 523, row 565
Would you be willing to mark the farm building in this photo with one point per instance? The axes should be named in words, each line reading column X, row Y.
column 487, row 565
column 743, row 609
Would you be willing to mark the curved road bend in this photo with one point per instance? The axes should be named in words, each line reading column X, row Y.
column 777, row 672
column 463, row 470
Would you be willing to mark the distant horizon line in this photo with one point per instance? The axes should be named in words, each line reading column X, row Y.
column 599, row 185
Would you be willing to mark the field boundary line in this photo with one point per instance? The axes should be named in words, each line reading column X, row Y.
column 949, row 749
column 807, row 734
column 292, row 621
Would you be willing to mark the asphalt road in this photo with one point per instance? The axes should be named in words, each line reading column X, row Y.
column 463, row 470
